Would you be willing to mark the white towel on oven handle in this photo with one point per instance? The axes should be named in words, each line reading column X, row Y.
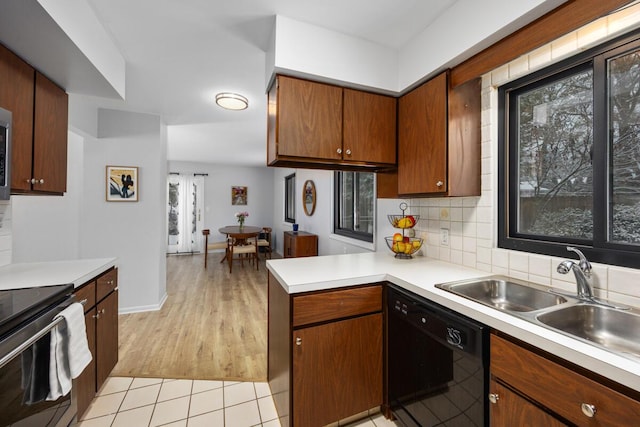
column 69, row 351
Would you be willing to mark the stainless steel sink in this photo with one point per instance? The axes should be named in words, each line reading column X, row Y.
column 505, row 294
column 610, row 328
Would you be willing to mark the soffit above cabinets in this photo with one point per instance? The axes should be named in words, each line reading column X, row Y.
column 64, row 40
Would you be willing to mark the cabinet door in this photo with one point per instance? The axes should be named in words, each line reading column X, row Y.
column 422, row 138
column 106, row 338
column 464, row 139
column 50, row 137
column 369, row 127
column 309, row 119
column 288, row 243
column 337, row 370
column 510, row 409
column 306, row 246
column 84, row 387
column 16, row 95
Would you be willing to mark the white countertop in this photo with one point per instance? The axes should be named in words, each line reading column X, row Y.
column 420, row 275
column 32, row 274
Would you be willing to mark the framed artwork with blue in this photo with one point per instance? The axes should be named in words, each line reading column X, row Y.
column 122, row 184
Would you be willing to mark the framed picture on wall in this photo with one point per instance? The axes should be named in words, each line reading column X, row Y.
column 122, row 184
column 238, row 195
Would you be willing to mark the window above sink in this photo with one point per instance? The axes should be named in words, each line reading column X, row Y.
column 569, row 156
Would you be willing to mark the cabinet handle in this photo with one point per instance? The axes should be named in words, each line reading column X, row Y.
column 348, row 152
column 339, row 151
column 96, row 316
column 493, row 397
column 439, row 184
column 299, row 342
column 588, row 409
column 41, row 181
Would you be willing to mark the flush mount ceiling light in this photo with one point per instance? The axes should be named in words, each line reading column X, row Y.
column 231, row 101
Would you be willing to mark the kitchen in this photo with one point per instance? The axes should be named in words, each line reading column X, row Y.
column 469, row 221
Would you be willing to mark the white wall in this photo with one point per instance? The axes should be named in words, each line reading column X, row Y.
column 134, row 232
column 45, row 228
column 321, row 222
column 218, row 210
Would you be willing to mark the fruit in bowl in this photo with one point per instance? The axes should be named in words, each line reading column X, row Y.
column 404, row 247
column 400, row 221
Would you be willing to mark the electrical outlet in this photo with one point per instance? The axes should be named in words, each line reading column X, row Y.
column 444, row 236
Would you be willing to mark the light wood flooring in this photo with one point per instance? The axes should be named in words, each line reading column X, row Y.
column 213, row 325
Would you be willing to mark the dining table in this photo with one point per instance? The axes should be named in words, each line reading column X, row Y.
column 239, row 234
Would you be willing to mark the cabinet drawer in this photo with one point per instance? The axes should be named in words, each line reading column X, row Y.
column 106, row 284
column 560, row 389
column 88, row 292
column 323, row 306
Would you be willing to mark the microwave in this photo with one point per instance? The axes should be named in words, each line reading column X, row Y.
column 5, row 154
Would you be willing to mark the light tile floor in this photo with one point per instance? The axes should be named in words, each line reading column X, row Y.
column 150, row 402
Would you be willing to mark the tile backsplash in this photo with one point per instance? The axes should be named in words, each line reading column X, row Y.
column 470, row 221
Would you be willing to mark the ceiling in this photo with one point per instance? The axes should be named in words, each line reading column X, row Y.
column 180, row 53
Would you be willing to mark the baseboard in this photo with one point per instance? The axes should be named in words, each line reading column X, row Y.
column 143, row 308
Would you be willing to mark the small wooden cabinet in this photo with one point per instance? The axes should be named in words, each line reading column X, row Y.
column 325, row 353
column 101, row 320
column 317, row 125
column 546, row 392
column 40, row 123
column 300, row 244
column 439, row 140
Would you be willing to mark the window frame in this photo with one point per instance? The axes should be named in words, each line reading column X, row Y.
column 598, row 249
column 337, row 208
column 290, row 198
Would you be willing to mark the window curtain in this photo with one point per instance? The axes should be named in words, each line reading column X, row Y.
column 184, row 210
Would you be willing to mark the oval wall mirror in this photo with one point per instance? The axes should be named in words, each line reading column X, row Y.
column 309, row 197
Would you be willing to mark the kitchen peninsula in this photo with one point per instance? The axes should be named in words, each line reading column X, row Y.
column 330, row 274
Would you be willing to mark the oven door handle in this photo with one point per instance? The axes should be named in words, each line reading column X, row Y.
column 31, row 340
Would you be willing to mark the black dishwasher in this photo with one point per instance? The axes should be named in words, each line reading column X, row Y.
column 438, row 364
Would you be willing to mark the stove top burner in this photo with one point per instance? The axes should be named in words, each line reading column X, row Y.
column 19, row 305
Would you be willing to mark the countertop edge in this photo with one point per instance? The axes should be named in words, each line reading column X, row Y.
column 33, row 274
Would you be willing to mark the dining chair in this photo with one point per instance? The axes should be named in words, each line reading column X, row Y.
column 265, row 242
column 248, row 251
column 211, row 246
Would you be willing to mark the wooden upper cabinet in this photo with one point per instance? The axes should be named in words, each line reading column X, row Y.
column 317, row 125
column 464, row 142
column 369, row 127
column 439, row 140
column 50, row 137
column 40, row 121
column 309, row 119
column 16, row 95
column 422, row 138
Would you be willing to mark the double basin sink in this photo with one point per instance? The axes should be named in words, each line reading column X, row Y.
column 612, row 328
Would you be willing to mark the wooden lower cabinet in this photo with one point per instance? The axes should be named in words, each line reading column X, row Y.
column 106, row 338
column 337, row 370
column 552, row 392
column 101, row 322
column 511, row 409
column 300, row 244
column 325, row 353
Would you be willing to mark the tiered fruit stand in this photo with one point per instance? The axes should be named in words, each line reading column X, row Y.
column 403, row 246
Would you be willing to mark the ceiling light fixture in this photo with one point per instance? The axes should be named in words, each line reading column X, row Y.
column 231, row 101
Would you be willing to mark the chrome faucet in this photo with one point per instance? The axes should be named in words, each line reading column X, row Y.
column 582, row 271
